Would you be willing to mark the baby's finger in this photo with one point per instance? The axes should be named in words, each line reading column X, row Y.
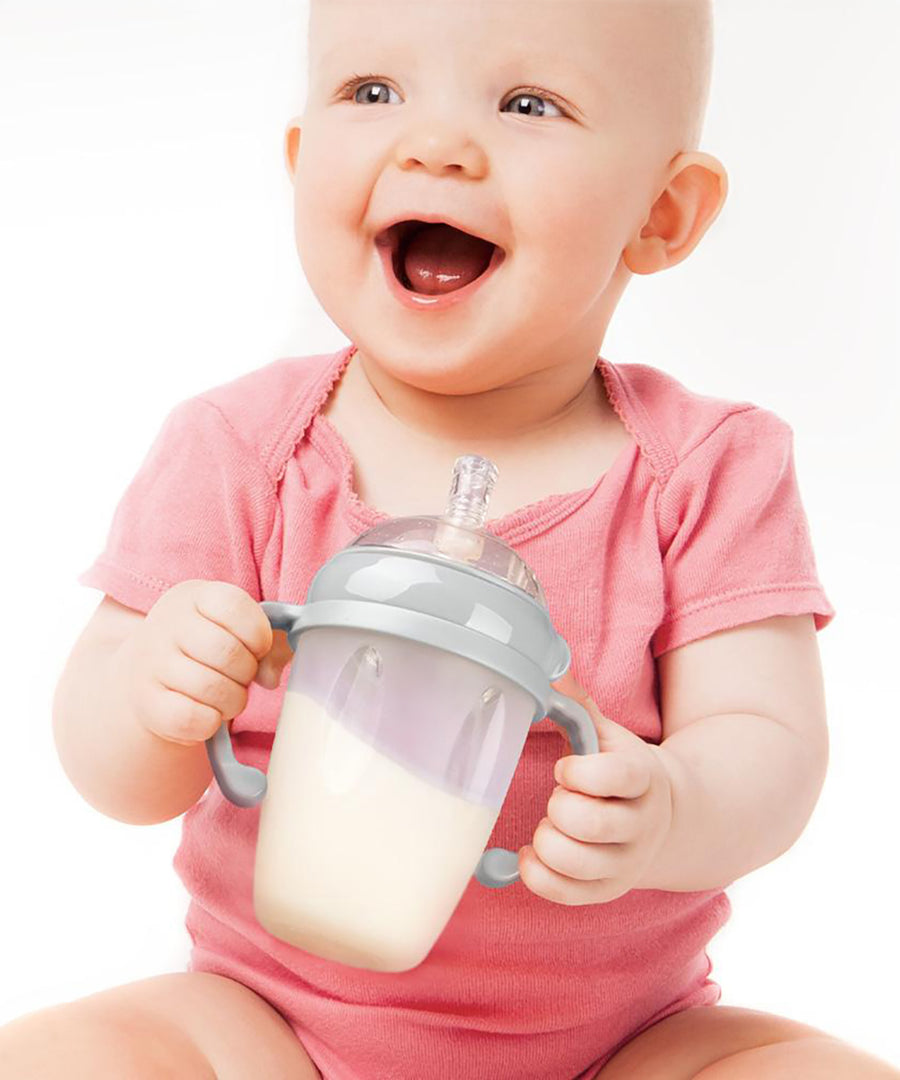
column 592, row 819
column 573, row 858
column 235, row 610
column 608, row 774
column 538, row 878
column 274, row 662
column 177, row 718
column 201, row 683
column 215, row 647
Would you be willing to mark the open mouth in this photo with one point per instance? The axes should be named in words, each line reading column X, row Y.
column 432, row 259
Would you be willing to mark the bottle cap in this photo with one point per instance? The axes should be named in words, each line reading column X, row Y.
column 458, row 535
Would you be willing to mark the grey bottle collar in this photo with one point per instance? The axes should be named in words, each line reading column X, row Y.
column 479, row 612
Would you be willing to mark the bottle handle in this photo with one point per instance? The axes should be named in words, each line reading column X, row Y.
column 498, row 867
column 243, row 784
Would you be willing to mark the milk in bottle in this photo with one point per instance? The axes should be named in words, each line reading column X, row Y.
column 361, row 809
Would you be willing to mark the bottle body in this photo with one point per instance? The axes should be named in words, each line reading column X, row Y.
column 390, row 764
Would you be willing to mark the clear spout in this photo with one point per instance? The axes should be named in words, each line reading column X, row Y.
column 459, row 534
column 470, row 492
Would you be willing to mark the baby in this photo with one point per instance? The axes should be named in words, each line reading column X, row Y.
column 550, row 148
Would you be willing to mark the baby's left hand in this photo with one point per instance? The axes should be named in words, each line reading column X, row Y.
column 606, row 822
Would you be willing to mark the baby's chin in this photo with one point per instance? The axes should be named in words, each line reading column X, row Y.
column 451, row 369
column 455, row 355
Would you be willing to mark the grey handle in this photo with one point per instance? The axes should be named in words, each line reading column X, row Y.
column 498, row 867
column 242, row 784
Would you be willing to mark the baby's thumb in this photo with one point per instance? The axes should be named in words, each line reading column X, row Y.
column 610, row 735
column 268, row 674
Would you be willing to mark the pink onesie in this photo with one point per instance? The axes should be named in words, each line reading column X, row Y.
column 697, row 526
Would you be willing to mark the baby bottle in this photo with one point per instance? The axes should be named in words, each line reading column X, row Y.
column 423, row 653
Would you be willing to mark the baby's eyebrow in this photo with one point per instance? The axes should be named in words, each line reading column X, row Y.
column 551, row 69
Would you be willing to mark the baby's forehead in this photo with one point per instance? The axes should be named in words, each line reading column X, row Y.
column 605, row 34
column 397, row 19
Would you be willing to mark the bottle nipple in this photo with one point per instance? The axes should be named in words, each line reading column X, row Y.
column 459, row 534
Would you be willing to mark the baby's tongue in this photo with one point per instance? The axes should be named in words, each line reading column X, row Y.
column 441, row 259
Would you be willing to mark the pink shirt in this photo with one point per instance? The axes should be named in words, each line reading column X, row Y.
column 697, row 526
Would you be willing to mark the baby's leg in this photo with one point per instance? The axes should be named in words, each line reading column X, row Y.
column 723, row 1042
column 190, row 1025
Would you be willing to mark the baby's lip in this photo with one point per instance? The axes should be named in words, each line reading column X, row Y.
column 389, row 234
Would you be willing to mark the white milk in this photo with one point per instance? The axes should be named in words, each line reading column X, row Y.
column 358, row 859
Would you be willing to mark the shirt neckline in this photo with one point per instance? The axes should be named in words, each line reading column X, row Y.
column 519, row 524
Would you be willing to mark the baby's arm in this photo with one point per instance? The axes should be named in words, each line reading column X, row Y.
column 745, row 744
column 140, row 695
column 116, row 764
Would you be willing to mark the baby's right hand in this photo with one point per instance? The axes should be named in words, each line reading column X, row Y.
column 187, row 666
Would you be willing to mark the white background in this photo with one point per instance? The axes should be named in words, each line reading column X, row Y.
column 146, row 254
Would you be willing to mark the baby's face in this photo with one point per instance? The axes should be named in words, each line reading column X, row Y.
column 546, row 125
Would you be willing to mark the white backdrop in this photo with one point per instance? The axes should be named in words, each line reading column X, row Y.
column 146, row 254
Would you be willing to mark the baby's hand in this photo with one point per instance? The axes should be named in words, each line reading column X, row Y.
column 607, row 820
column 188, row 665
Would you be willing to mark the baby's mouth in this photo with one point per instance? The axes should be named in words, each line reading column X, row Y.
column 433, row 258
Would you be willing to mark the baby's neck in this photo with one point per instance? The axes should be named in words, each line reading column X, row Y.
column 551, row 399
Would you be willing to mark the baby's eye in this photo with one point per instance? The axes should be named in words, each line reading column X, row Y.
column 528, row 96
column 370, row 98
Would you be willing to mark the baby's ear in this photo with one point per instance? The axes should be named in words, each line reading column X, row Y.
column 690, row 202
column 292, row 135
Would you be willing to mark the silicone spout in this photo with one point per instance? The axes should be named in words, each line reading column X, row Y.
column 460, row 534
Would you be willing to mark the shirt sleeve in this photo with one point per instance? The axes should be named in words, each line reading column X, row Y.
column 734, row 537
column 200, row 506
